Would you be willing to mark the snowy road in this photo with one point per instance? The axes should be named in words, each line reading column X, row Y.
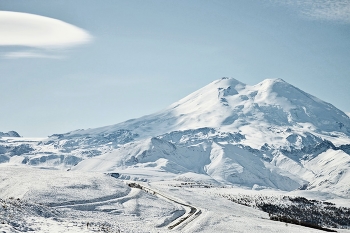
column 180, row 222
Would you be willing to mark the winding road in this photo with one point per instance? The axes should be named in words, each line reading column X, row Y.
column 190, row 214
column 179, row 222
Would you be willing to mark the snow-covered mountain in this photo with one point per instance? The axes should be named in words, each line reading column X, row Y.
column 230, row 105
column 270, row 135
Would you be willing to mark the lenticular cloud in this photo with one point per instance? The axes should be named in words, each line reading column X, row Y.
column 23, row 29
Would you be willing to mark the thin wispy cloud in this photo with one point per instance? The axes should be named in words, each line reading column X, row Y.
column 39, row 32
column 31, row 54
column 331, row 10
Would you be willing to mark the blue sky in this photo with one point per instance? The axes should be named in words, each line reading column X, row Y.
column 106, row 62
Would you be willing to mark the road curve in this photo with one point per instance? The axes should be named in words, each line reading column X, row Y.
column 183, row 220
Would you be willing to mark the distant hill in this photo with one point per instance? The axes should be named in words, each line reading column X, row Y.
column 9, row 134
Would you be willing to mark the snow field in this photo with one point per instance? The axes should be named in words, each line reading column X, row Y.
column 221, row 215
column 112, row 206
column 78, row 198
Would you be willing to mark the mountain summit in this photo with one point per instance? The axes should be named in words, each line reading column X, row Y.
column 270, row 135
column 232, row 106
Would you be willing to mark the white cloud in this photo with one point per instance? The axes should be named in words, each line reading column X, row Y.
column 39, row 32
column 31, row 54
column 333, row 10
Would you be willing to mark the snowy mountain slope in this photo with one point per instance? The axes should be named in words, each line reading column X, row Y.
column 333, row 171
column 270, row 135
column 227, row 164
